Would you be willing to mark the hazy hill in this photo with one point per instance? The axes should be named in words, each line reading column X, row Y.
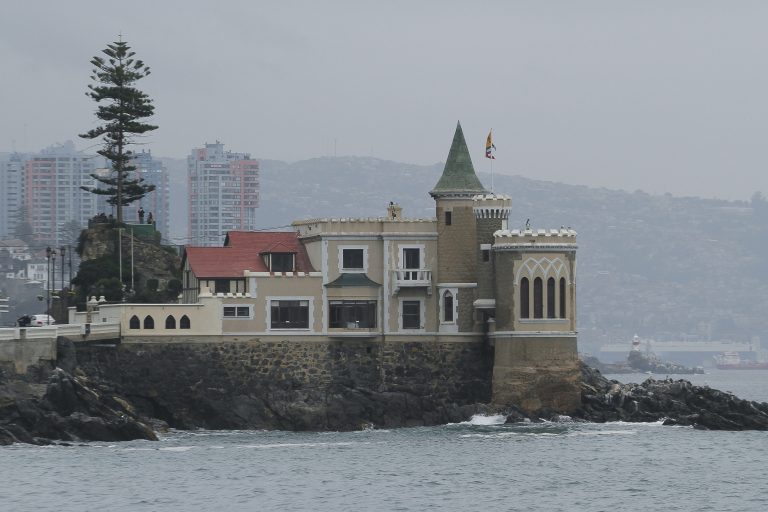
column 658, row 266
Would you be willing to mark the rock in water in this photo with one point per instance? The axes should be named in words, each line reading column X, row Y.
column 70, row 410
column 676, row 402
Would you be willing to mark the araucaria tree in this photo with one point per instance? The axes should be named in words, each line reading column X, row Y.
column 121, row 110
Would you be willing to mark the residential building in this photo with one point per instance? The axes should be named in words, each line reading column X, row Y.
column 223, row 193
column 157, row 202
column 52, row 191
column 11, row 193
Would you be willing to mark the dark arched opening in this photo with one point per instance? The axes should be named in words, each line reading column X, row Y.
column 538, row 298
column 525, row 306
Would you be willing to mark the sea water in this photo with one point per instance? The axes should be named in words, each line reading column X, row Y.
column 481, row 464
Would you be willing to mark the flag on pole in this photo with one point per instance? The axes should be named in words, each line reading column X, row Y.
column 489, row 147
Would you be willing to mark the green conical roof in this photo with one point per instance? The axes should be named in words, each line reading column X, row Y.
column 458, row 175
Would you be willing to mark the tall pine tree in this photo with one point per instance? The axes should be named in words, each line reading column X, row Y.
column 121, row 108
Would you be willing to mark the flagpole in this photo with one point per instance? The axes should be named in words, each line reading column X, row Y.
column 492, row 189
column 491, row 159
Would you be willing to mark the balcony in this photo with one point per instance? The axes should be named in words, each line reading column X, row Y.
column 412, row 278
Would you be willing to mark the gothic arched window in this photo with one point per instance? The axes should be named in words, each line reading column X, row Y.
column 184, row 322
column 562, row 297
column 525, row 307
column 551, row 297
column 447, row 307
column 149, row 322
column 134, row 323
column 170, row 322
column 538, row 298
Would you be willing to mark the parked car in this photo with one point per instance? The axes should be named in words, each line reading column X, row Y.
column 36, row 321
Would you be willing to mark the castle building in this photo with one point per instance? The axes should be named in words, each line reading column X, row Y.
column 223, row 193
column 461, row 277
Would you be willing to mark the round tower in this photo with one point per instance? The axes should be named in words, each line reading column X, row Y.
column 491, row 214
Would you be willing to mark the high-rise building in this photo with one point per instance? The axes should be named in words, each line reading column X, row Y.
column 223, row 193
column 53, row 196
column 153, row 172
column 11, row 193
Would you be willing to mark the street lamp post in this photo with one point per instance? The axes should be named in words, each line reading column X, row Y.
column 49, row 254
column 63, row 298
column 62, row 251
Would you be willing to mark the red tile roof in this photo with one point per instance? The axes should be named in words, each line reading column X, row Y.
column 242, row 251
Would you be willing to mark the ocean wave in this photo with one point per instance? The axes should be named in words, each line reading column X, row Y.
column 482, row 420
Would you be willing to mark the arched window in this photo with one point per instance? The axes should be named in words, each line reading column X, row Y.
column 525, row 307
column 447, row 307
column 184, row 322
column 562, row 297
column 134, row 323
column 170, row 322
column 538, row 298
column 551, row 297
column 149, row 322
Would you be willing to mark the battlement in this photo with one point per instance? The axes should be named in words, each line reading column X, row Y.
column 562, row 239
column 365, row 225
column 491, row 206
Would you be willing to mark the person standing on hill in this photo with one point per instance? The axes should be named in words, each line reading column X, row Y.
column 141, row 215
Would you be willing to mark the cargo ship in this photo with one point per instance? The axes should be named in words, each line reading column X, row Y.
column 733, row 361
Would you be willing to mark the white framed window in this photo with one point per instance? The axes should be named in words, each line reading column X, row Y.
column 411, row 315
column 290, row 313
column 231, row 311
column 353, row 258
column 411, row 259
column 448, row 307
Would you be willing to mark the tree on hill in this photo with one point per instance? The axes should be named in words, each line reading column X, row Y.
column 121, row 108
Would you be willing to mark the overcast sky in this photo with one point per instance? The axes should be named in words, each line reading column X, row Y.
column 662, row 96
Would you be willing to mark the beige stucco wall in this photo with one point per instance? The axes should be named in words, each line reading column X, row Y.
column 201, row 315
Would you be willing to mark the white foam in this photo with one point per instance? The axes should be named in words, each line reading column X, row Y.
column 296, row 445
column 483, row 420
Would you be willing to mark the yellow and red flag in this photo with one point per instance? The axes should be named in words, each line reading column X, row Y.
column 489, row 147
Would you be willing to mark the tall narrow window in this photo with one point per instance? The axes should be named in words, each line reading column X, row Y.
column 170, row 322
column 538, row 298
column 562, row 297
column 525, row 300
column 412, row 262
column 447, row 307
column 448, row 218
column 149, row 322
column 551, row 297
column 411, row 314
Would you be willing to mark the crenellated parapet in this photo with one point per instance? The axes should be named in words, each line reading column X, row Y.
column 535, row 239
column 491, row 206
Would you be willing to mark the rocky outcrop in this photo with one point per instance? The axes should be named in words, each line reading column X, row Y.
column 676, row 402
column 69, row 409
column 637, row 362
column 150, row 259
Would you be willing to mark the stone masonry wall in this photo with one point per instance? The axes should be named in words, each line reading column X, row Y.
column 299, row 385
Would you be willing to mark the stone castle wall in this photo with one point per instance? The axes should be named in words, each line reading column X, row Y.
column 314, row 385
